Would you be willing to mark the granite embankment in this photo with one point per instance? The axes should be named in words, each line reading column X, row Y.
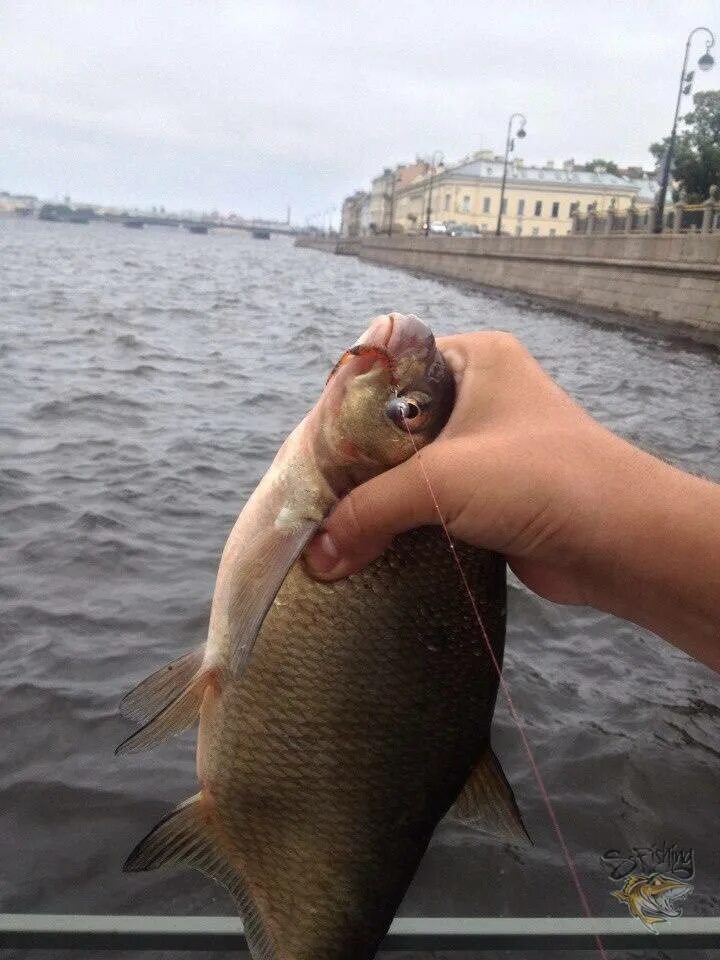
column 670, row 281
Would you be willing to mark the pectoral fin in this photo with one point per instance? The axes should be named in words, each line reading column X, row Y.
column 186, row 837
column 487, row 803
column 258, row 584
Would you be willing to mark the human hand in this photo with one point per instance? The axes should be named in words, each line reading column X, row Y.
column 581, row 515
column 519, row 468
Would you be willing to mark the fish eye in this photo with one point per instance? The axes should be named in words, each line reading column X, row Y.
column 409, row 411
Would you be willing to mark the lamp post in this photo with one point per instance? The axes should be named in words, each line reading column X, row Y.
column 705, row 62
column 436, row 159
column 509, row 146
column 392, row 201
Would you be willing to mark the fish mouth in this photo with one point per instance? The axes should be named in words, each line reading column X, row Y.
column 399, row 334
column 668, row 902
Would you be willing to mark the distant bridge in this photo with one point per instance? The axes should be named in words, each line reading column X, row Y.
column 171, row 220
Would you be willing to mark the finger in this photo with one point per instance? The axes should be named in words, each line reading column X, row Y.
column 364, row 522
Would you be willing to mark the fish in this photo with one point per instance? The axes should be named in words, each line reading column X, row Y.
column 338, row 722
column 654, row 898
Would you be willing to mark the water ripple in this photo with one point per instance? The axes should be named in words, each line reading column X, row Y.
column 147, row 381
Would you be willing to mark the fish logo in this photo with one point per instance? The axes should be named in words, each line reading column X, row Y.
column 653, row 898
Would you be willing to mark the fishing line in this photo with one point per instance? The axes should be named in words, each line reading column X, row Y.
column 567, row 856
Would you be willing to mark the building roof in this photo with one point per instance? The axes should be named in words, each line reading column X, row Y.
column 492, row 170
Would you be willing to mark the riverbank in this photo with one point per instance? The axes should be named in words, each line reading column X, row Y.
column 670, row 283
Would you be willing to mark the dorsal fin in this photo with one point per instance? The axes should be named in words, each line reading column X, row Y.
column 487, row 803
column 186, row 837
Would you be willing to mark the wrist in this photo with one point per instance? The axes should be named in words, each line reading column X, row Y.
column 659, row 552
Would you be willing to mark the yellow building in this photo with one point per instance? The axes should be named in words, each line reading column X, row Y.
column 539, row 201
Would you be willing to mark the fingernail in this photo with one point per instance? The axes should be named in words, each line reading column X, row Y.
column 323, row 553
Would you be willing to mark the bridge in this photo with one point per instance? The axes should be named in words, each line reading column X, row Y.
column 207, row 223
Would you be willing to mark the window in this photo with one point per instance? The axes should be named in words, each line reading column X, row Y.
column 574, row 208
column 486, row 204
column 518, row 230
column 521, row 208
column 589, row 207
column 466, row 203
column 538, row 208
column 447, row 201
column 555, row 210
column 504, row 205
column 552, row 232
column 536, row 231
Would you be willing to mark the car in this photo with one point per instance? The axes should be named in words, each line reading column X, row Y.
column 462, row 230
column 436, row 226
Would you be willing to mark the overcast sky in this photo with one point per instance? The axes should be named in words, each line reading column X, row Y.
column 251, row 106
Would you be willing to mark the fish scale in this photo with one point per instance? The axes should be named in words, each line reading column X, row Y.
column 360, row 716
column 338, row 722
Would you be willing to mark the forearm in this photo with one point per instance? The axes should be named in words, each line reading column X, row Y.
column 662, row 556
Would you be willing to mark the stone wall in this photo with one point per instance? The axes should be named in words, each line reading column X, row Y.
column 671, row 280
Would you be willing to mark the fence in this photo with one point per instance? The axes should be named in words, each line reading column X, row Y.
column 703, row 218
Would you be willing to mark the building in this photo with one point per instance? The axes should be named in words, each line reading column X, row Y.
column 365, row 216
column 17, row 204
column 353, row 209
column 386, row 188
column 539, row 201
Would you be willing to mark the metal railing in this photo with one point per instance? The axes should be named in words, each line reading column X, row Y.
column 683, row 217
column 73, row 932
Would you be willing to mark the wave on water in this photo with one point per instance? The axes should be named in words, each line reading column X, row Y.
column 127, row 451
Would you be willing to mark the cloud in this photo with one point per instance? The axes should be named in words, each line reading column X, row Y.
column 246, row 106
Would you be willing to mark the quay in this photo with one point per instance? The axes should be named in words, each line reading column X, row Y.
column 669, row 282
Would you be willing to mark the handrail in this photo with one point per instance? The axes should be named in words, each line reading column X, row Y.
column 75, row 932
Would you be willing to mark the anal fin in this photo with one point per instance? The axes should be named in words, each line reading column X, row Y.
column 186, row 837
column 179, row 714
column 487, row 803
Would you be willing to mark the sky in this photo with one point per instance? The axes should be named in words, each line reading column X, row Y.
column 249, row 107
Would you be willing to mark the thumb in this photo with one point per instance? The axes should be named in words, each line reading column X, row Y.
column 364, row 522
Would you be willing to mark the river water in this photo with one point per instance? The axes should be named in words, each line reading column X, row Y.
column 147, row 379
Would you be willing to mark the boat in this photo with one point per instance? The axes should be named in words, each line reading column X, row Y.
column 134, row 224
column 62, row 213
column 197, row 228
column 27, row 931
column 260, row 233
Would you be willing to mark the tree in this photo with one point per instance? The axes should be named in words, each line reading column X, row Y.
column 696, row 165
column 609, row 166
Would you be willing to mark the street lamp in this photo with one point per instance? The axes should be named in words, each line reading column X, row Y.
column 391, row 198
column 436, row 159
column 705, row 62
column 509, row 146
